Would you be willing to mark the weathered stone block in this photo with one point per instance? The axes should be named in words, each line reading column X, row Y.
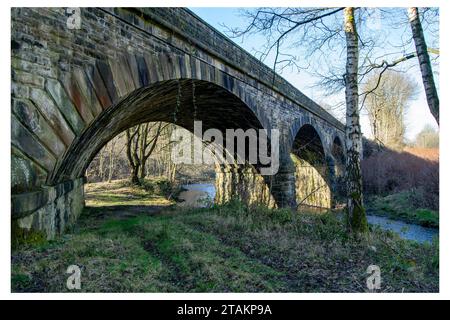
column 53, row 114
column 66, row 106
column 28, row 78
column 24, row 140
column 30, row 117
column 25, row 174
column 61, row 209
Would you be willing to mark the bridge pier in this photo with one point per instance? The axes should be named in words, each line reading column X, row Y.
column 337, row 181
column 46, row 213
column 283, row 184
column 312, row 184
column 241, row 182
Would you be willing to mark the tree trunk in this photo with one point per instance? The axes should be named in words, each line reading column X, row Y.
column 424, row 63
column 356, row 216
column 100, row 167
column 133, row 164
column 142, row 146
column 111, row 160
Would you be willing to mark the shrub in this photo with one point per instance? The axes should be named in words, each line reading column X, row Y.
column 416, row 170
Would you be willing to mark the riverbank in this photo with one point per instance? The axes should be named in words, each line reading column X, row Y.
column 400, row 206
column 129, row 243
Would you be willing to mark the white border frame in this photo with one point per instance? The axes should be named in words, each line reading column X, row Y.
column 5, row 257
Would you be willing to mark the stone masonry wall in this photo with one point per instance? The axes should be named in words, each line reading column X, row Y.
column 242, row 183
column 61, row 207
column 311, row 185
column 65, row 81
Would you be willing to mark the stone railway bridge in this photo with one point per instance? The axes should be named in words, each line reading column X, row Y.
column 75, row 89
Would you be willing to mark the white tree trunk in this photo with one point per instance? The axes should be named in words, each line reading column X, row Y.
column 424, row 62
column 357, row 221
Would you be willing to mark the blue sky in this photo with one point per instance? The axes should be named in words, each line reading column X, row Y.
column 416, row 117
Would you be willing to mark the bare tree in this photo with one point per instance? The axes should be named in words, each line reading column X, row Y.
column 427, row 138
column 101, row 164
column 424, row 62
column 386, row 106
column 141, row 142
column 112, row 157
column 395, row 19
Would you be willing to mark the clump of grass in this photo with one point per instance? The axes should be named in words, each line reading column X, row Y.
column 21, row 236
column 123, row 192
column 158, row 186
column 227, row 248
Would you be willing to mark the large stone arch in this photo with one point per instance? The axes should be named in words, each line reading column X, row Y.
column 64, row 80
column 104, row 88
column 63, row 125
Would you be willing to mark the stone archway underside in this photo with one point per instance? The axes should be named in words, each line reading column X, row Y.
column 174, row 101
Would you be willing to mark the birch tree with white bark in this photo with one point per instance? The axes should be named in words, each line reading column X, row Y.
column 356, row 216
column 424, row 62
column 318, row 30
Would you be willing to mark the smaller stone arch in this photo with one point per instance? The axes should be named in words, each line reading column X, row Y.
column 307, row 119
column 312, row 176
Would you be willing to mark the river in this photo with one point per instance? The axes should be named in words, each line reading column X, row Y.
column 202, row 195
column 198, row 195
column 405, row 230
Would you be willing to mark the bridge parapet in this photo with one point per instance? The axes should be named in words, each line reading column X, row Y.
column 191, row 27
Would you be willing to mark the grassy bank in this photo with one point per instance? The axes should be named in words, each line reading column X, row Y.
column 123, row 247
column 400, row 206
column 151, row 192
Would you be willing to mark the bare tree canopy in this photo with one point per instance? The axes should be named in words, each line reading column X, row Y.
column 427, row 138
column 386, row 106
column 312, row 40
column 141, row 142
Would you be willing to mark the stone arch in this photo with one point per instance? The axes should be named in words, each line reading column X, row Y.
column 130, row 79
column 312, row 174
column 62, row 89
column 308, row 119
column 87, row 107
column 157, row 102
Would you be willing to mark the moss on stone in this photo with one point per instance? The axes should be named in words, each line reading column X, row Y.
column 21, row 236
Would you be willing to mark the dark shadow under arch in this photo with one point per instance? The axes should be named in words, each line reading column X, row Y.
column 338, row 169
column 169, row 101
column 338, row 152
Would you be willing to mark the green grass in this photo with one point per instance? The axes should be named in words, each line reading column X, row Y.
column 400, row 206
column 155, row 191
column 229, row 248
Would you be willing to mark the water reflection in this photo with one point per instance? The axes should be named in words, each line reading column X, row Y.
column 198, row 195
